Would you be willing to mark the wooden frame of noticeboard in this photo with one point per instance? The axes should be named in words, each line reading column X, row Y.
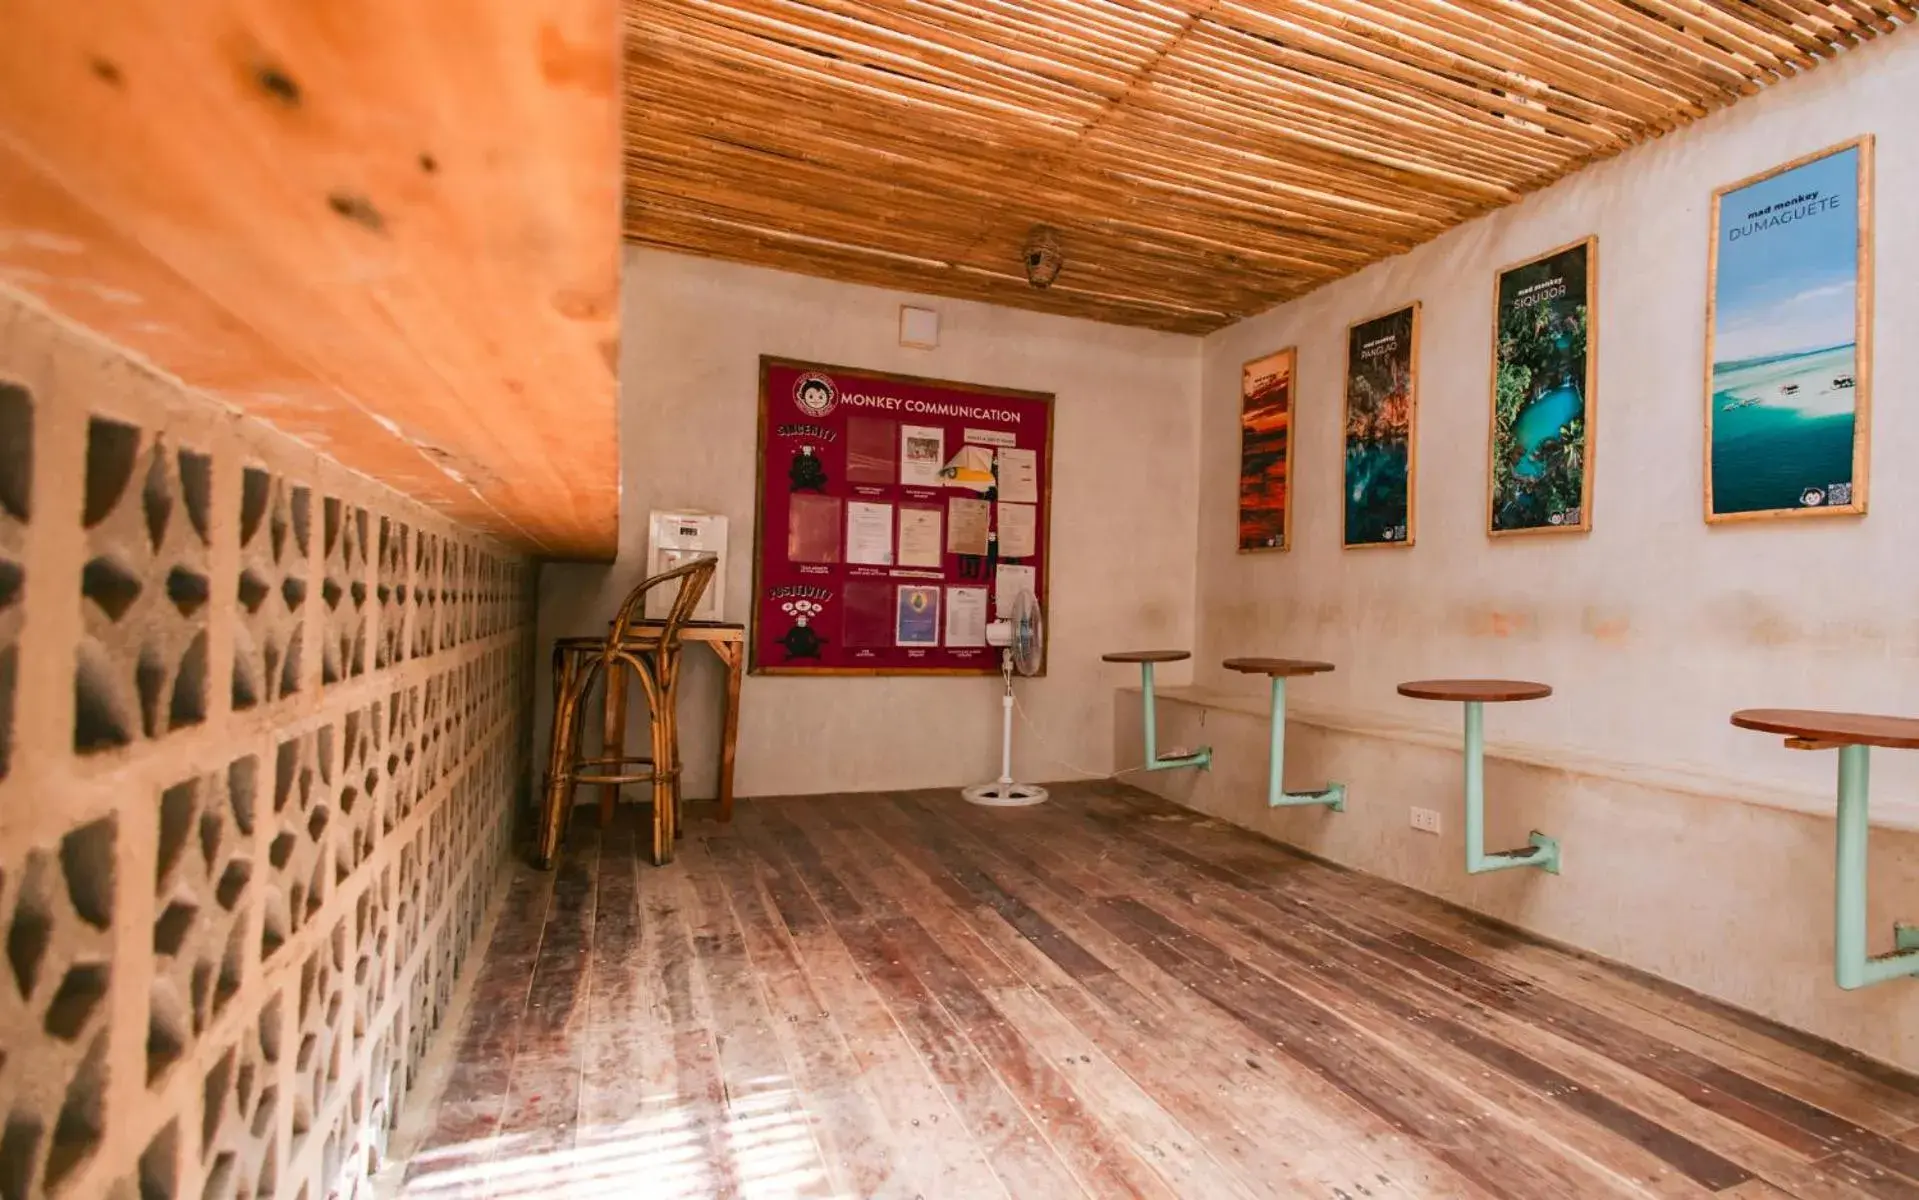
column 836, row 444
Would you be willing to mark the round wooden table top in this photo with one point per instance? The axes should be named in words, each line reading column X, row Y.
column 1837, row 728
column 1146, row 656
column 1488, row 691
column 1279, row 667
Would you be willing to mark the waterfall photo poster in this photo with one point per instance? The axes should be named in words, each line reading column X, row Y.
column 1788, row 339
column 1265, row 451
column 1382, row 421
column 1545, row 381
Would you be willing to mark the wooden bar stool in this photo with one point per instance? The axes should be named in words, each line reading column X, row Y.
column 655, row 660
column 1475, row 694
column 1852, row 734
column 1333, row 795
column 1202, row 757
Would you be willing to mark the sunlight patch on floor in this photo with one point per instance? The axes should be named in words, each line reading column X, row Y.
column 763, row 1142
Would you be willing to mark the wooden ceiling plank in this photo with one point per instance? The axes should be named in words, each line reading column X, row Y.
column 1192, row 105
column 897, row 91
column 1351, row 63
column 1653, row 40
column 797, row 25
column 1168, row 217
column 1610, row 92
column 1092, row 49
column 1601, row 39
column 1333, row 101
column 1055, row 63
column 1501, row 78
column 1387, row 190
column 1202, row 159
column 1166, row 263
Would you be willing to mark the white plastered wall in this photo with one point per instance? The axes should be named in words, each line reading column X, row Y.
column 1694, row 850
column 1124, row 507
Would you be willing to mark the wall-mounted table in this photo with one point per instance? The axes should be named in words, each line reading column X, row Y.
column 1146, row 659
column 1279, row 670
column 1475, row 694
column 1852, row 734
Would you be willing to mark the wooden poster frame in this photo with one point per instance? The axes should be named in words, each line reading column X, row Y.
column 1412, row 433
column 1862, row 340
column 1589, row 414
column 768, row 362
column 1291, row 354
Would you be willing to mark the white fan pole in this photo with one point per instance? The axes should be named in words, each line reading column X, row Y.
column 1020, row 639
column 1006, row 722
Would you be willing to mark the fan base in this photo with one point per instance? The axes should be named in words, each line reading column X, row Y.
column 1005, row 795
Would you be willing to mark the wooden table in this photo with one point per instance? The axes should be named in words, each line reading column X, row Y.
column 1279, row 670
column 727, row 641
column 1852, row 734
column 1474, row 695
column 1149, row 720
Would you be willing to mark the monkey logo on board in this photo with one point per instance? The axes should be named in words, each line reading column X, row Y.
column 815, row 395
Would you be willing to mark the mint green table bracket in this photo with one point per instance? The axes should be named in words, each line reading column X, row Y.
column 1544, row 852
column 1853, row 735
column 1853, row 968
column 1333, row 795
column 1201, row 758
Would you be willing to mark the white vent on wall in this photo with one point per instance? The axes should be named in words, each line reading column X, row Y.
column 919, row 327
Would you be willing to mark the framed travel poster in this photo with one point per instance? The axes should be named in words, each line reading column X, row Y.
column 1789, row 339
column 1545, row 384
column 1382, row 420
column 1265, row 451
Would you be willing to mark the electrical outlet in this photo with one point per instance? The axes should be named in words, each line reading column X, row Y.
column 1426, row 820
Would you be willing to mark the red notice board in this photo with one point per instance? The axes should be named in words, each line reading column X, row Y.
column 897, row 515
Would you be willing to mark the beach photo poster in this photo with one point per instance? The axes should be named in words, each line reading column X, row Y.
column 1382, row 421
column 1788, row 339
column 1545, row 384
column 1266, row 387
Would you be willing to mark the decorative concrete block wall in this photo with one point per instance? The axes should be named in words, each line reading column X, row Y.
column 263, row 731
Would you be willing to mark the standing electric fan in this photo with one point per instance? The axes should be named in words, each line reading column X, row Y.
column 1022, row 642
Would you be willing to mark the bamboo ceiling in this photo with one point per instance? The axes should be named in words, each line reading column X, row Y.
column 1203, row 160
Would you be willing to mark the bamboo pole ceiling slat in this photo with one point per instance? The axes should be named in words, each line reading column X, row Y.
column 1202, row 160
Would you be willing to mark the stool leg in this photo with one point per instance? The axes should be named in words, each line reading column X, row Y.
column 559, row 764
column 662, row 783
column 612, row 734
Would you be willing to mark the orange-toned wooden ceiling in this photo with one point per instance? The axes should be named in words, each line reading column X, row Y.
column 1202, row 160
column 390, row 229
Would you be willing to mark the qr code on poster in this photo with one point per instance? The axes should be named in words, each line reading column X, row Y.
column 1839, row 493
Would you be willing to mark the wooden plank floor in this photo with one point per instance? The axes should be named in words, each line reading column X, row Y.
column 906, row 996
